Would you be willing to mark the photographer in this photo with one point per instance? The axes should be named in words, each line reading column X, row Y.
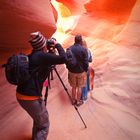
column 29, row 93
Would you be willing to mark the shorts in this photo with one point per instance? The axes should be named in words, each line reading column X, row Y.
column 77, row 79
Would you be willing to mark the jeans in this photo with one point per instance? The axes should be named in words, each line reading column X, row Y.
column 86, row 88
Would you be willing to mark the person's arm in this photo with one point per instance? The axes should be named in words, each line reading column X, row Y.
column 53, row 59
column 60, row 49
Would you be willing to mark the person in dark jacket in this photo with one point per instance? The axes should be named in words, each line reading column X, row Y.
column 29, row 94
column 77, row 74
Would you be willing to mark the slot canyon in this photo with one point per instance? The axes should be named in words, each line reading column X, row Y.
column 111, row 29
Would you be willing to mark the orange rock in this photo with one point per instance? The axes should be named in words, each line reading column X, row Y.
column 19, row 19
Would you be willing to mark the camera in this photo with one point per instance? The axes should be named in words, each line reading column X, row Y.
column 51, row 45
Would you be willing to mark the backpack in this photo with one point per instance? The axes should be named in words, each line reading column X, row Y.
column 17, row 69
column 71, row 60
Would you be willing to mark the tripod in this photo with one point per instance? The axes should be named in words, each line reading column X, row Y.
column 54, row 68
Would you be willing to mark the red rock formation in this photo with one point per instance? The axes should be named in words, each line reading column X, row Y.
column 75, row 6
column 112, row 112
column 130, row 35
column 119, row 9
column 20, row 18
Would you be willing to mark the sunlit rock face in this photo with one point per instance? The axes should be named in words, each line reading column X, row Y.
column 117, row 10
column 20, row 18
column 103, row 19
column 111, row 29
column 130, row 35
column 75, row 6
column 112, row 8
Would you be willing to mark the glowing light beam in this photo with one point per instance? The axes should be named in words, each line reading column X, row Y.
column 65, row 23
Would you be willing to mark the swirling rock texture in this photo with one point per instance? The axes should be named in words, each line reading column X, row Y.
column 112, row 31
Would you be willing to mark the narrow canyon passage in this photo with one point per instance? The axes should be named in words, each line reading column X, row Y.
column 112, row 32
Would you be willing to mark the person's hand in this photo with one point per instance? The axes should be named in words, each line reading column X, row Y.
column 54, row 41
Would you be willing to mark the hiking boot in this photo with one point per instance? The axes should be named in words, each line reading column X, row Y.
column 74, row 102
column 79, row 103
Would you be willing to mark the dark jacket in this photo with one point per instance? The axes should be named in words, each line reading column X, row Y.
column 81, row 55
column 39, row 64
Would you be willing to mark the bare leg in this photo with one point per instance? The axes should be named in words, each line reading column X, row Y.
column 79, row 92
column 91, row 78
column 92, row 74
column 74, row 95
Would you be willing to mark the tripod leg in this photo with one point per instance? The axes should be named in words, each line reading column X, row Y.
column 63, row 84
column 80, row 116
column 51, row 75
column 46, row 95
column 70, row 97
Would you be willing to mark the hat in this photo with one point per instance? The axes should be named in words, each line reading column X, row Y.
column 37, row 40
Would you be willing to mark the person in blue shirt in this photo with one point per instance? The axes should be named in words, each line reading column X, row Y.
column 87, row 87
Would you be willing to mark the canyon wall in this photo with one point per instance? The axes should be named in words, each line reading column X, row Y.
column 112, row 32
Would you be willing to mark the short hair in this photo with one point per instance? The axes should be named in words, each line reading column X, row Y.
column 78, row 39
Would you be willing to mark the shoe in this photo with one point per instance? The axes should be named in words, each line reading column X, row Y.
column 85, row 98
column 74, row 102
column 79, row 103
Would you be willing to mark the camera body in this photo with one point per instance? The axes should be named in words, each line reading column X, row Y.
column 51, row 45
